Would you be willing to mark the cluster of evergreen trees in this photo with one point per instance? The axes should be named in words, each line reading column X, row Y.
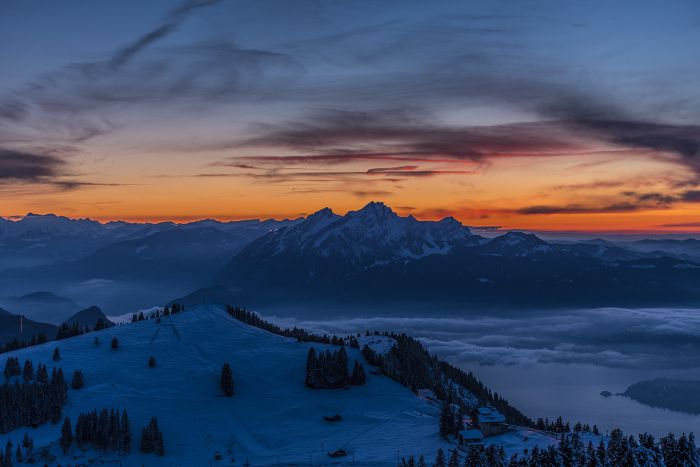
column 152, row 438
column 167, row 311
column 34, row 401
column 6, row 456
column 450, row 420
column 16, row 344
column 620, row 450
column 106, row 430
column 477, row 456
column 253, row 319
column 558, row 426
column 410, row 363
column 329, row 370
column 27, row 455
column 66, row 330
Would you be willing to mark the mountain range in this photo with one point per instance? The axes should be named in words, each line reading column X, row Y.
column 371, row 255
column 375, row 256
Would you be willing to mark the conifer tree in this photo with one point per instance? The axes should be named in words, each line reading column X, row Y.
column 78, row 381
column 446, row 421
column 7, row 462
column 440, row 459
column 454, row 459
column 152, row 438
column 358, row 377
column 28, row 444
column 151, row 362
column 12, row 367
column 28, row 371
column 125, row 434
column 115, row 343
column 227, row 380
column 56, row 354
column 311, row 364
column 42, row 375
column 66, row 435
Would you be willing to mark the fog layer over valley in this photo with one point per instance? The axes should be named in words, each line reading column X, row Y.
column 556, row 362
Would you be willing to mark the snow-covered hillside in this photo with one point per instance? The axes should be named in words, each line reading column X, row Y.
column 272, row 417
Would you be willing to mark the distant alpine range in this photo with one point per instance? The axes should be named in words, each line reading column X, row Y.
column 369, row 256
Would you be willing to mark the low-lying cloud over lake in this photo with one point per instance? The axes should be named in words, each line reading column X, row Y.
column 610, row 337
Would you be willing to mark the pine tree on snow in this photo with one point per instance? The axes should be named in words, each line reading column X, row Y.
column 358, row 377
column 28, row 371
column 66, row 435
column 125, row 434
column 440, row 459
column 78, row 380
column 227, row 379
column 454, row 459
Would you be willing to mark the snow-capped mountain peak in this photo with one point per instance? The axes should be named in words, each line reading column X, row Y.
column 374, row 210
column 370, row 236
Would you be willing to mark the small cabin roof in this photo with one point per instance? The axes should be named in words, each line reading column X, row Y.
column 490, row 415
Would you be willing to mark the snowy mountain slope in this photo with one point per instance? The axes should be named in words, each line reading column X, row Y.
column 271, row 418
column 272, row 413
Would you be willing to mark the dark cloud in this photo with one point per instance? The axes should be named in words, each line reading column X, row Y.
column 630, row 201
column 391, row 174
column 692, row 196
column 67, row 185
column 579, row 209
column 682, row 225
column 332, row 136
column 28, row 167
column 361, row 194
column 679, row 140
column 488, row 228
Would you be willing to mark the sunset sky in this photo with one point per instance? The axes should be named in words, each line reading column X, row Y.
column 543, row 115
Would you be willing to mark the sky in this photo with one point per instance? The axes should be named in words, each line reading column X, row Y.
column 540, row 115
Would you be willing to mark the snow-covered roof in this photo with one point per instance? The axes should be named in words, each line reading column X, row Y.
column 490, row 415
column 471, row 434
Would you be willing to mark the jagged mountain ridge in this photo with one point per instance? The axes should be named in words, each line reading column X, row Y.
column 373, row 255
column 371, row 236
